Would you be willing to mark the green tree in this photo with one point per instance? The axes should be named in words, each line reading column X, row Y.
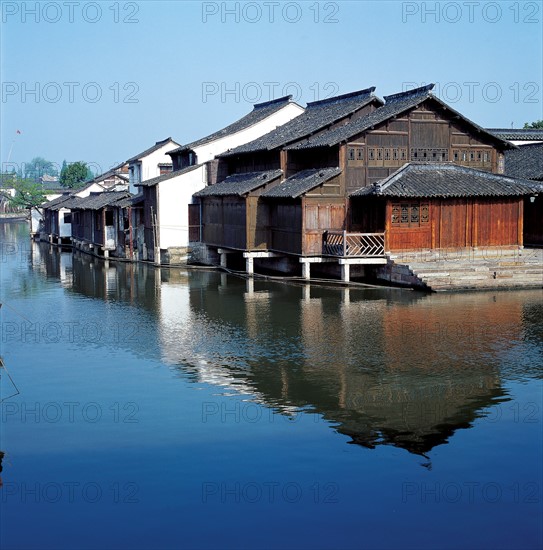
column 38, row 167
column 73, row 175
column 28, row 194
column 537, row 125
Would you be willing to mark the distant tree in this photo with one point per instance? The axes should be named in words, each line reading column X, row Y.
column 74, row 175
column 28, row 194
column 38, row 167
column 537, row 125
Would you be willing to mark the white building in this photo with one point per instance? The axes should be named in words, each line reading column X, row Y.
column 150, row 163
column 167, row 197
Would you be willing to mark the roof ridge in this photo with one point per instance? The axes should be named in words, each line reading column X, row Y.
column 367, row 91
column 409, row 93
column 284, row 99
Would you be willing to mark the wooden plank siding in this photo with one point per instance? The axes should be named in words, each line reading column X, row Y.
column 286, row 226
column 319, row 216
column 381, row 151
column 224, row 221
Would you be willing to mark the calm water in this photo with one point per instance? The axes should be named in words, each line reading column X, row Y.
column 191, row 409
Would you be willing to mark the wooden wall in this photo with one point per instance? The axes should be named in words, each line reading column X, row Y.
column 425, row 134
column 285, row 225
column 224, row 221
column 533, row 221
column 319, row 216
column 458, row 223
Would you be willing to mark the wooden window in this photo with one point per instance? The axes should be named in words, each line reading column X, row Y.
column 413, row 214
column 424, row 213
column 109, row 217
column 360, row 153
column 430, row 154
column 403, row 153
column 379, row 153
column 395, row 154
column 485, row 157
column 395, row 214
column 351, row 153
column 371, row 153
column 472, row 156
column 67, row 217
column 456, row 155
column 387, row 154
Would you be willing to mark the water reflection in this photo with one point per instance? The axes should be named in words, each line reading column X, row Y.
column 382, row 366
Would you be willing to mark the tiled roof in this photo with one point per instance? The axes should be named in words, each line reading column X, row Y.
column 72, row 202
column 130, row 201
column 517, row 134
column 96, row 201
column 394, row 105
column 152, row 149
column 55, row 202
column 260, row 112
column 301, row 183
column 318, row 115
column 52, row 186
column 525, row 162
column 167, row 176
column 239, row 184
column 109, row 174
column 435, row 180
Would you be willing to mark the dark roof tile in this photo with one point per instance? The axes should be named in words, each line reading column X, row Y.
column 260, row 112
column 301, row 183
column 167, row 176
column 447, row 180
column 525, row 162
column 517, row 134
column 395, row 105
column 96, row 201
column 317, row 116
column 239, row 184
column 152, row 149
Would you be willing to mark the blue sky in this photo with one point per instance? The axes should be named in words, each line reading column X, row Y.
column 102, row 81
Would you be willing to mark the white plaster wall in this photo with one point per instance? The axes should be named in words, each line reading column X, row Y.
column 64, row 229
column 174, row 196
column 149, row 165
column 210, row 150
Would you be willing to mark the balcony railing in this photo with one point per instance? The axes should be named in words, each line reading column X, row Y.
column 361, row 245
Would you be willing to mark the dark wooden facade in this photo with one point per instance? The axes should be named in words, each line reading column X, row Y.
column 411, row 224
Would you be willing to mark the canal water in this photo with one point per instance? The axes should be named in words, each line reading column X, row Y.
column 167, row 408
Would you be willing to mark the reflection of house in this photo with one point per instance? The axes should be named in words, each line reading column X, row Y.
column 309, row 217
column 527, row 162
column 96, row 225
column 167, row 197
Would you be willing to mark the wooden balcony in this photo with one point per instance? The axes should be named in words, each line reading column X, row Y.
column 354, row 245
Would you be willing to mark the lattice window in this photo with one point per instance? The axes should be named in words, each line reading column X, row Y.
column 395, row 214
column 387, row 154
column 351, row 153
column 395, row 154
column 424, row 213
column 403, row 153
column 360, row 153
column 413, row 214
column 379, row 153
column 371, row 153
column 426, row 154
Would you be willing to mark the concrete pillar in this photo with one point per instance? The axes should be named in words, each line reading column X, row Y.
column 306, row 270
column 250, row 286
column 223, row 259
column 224, row 279
column 307, row 293
column 345, row 272
column 106, row 254
column 249, row 262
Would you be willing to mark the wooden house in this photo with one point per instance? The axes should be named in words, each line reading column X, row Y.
column 437, row 205
column 166, row 197
column 96, row 224
column 56, row 214
column 311, row 215
column 527, row 162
